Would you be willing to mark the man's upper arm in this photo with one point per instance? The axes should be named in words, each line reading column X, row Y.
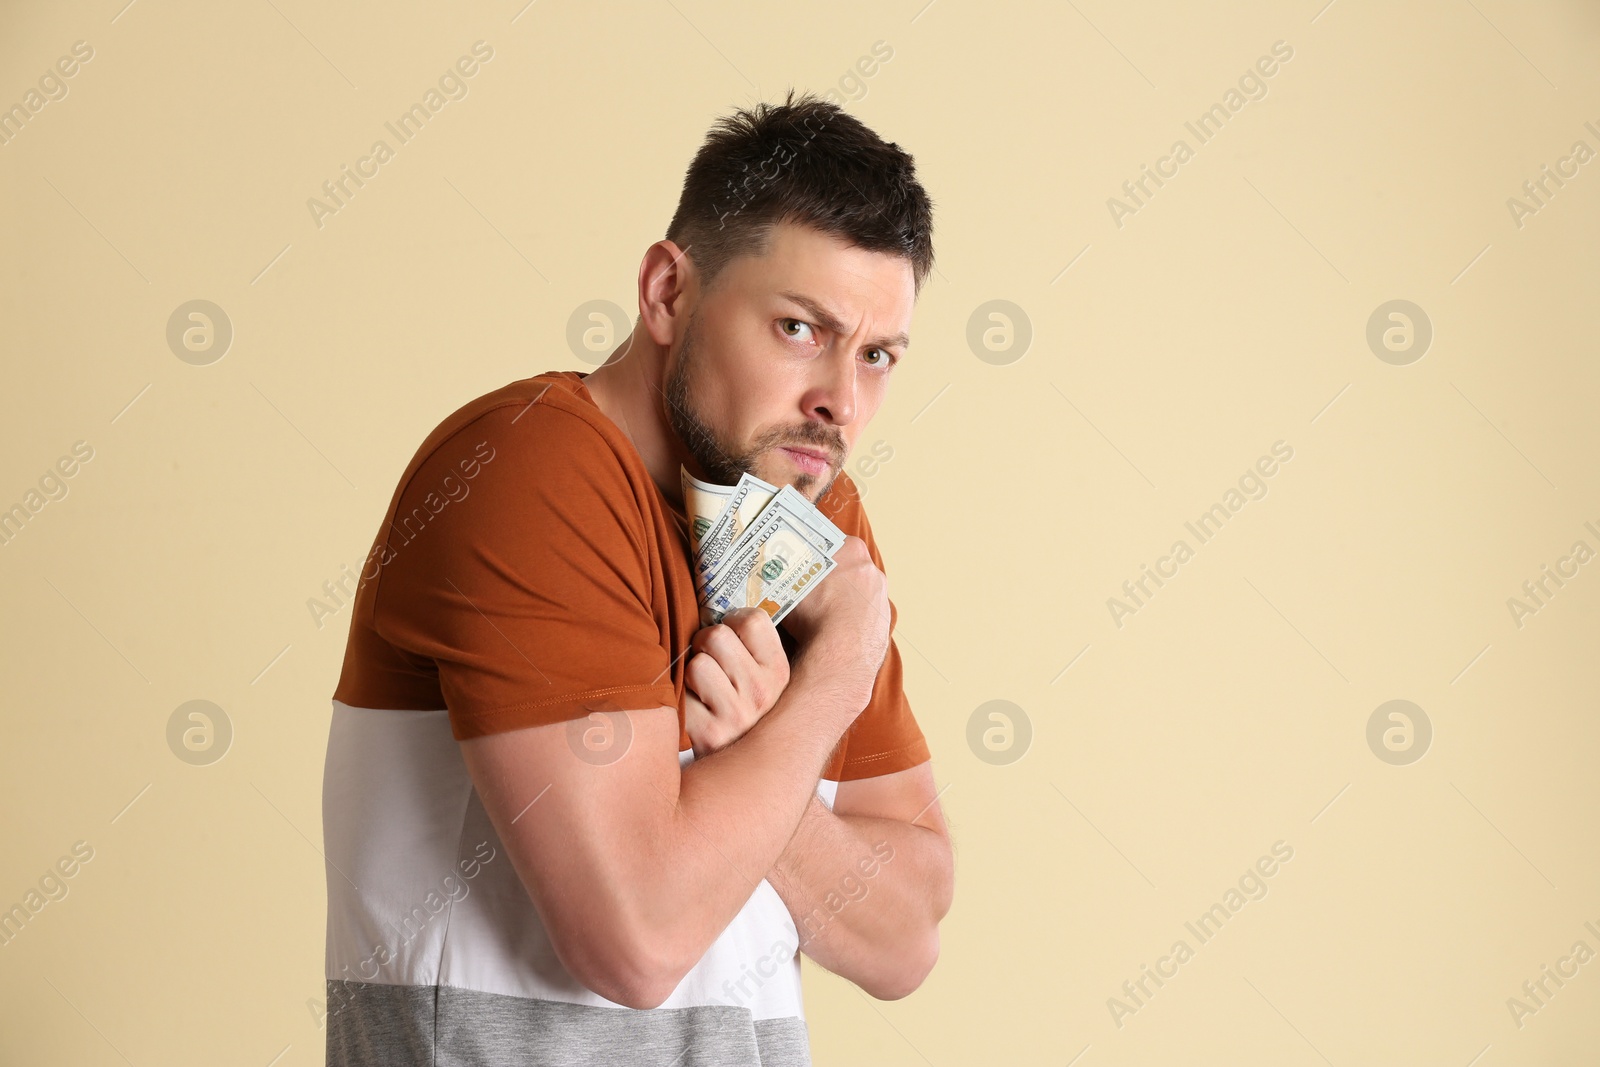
column 908, row 796
column 576, row 816
column 533, row 596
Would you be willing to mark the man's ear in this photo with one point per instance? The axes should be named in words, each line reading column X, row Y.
column 667, row 284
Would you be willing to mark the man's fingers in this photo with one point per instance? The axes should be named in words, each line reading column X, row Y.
column 724, row 644
column 716, row 639
column 706, row 733
column 759, row 635
column 747, row 647
column 704, row 674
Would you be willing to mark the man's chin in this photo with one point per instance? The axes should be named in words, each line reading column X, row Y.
column 810, row 486
column 814, row 486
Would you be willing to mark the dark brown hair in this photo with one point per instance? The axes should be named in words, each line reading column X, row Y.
column 806, row 161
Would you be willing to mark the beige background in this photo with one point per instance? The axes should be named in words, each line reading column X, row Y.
column 1229, row 312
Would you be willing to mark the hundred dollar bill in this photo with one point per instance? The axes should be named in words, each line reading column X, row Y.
column 785, row 593
column 740, row 505
column 704, row 503
column 814, row 516
column 736, row 565
column 776, row 564
column 793, row 502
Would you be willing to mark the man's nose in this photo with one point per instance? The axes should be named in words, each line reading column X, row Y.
column 832, row 394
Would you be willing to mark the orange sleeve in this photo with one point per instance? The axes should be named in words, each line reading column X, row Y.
column 532, row 594
column 886, row 736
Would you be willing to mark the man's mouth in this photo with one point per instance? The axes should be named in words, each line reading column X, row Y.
column 809, row 460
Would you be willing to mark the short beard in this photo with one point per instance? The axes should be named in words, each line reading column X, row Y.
column 719, row 464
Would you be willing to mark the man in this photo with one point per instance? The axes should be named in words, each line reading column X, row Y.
column 565, row 824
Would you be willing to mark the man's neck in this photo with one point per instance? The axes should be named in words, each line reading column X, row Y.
column 629, row 392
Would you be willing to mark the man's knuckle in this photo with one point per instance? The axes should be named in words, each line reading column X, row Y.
column 752, row 621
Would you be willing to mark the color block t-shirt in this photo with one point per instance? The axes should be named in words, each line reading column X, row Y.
column 529, row 571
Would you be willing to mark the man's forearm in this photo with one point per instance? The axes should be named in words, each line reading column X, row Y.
column 738, row 807
column 867, row 895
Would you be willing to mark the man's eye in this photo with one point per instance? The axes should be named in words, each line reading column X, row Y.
column 884, row 360
column 784, row 325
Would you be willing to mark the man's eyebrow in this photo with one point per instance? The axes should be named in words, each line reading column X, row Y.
column 830, row 322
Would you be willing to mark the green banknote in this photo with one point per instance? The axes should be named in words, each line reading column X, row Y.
column 755, row 545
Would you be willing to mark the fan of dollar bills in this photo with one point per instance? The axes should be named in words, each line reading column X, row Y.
column 755, row 545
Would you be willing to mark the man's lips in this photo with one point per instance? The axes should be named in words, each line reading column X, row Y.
column 811, row 460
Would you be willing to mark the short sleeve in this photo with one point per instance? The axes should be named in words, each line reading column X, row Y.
column 532, row 586
column 885, row 737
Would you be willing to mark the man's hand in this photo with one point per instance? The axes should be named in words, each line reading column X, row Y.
column 846, row 617
column 736, row 675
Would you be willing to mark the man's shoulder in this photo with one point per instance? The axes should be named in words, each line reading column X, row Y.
column 535, row 417
column 545, row 443
column 553, row 401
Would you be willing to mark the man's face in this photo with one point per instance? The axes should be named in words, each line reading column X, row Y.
column 787, row 359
